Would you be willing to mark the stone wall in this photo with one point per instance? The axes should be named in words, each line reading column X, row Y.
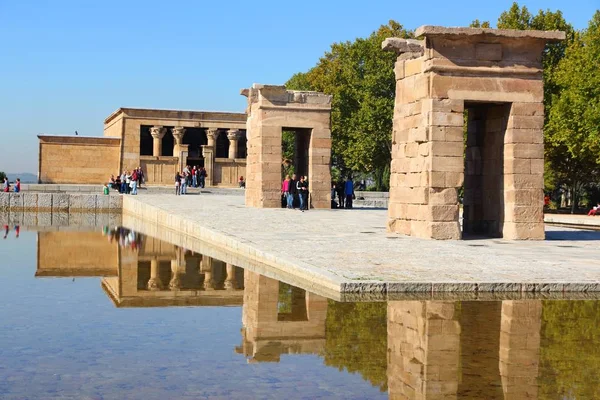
column 227, row 171
column 159, row 170
column 77, row 159
column 64, row 202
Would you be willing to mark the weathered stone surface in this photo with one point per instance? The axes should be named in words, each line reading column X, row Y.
column 16, row 201
column 30, row 201
column 430, row 30
column 4, row 201
column 44, row 201
column 400, row 46
column 115, row 202
column 102, row 202
column 82, row 202
column 60, row 201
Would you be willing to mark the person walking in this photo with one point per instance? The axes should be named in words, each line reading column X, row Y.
column 177, row 184
column 6, row 185
column 17, row 188
column 285, row 190
column 349, row 192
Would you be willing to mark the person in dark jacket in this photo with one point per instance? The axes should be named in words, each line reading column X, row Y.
column 303, row 193
column 294, row 190
column 349, row 192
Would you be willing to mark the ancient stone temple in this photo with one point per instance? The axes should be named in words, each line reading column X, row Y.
column 272, row 110
column 485, row 85
column 161, row 142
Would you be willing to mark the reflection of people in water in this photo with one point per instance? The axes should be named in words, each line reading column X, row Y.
column 7, row 229
column 124, row 237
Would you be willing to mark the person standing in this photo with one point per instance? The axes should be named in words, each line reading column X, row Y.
column 177, row 184
column 140, row 177
column 134, row 181
column 339, row 188
column 333, row 203
column 349, row 192
column 17, row 185
column 303, row 193
column 127, row 182
column 285, row 190
column 293, row 190
column 6, row 185
column 194, row 177
column 202, row 177
column 123, row 190
column 184, row 182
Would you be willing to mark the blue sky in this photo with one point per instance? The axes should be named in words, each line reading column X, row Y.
column 66, row 65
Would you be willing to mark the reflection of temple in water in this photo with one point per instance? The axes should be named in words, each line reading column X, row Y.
column 435, row 349
column 280, row 319
column 475, row 349
column 147, row 273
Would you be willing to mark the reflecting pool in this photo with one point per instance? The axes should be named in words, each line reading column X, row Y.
column 113, row 314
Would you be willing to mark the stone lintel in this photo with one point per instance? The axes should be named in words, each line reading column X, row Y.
column 279, row 95
column 401, row 46
column 432, row 31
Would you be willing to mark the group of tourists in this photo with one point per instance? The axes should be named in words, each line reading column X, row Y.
column 6, row 185
column 194, row 177
column 126, row 183
column 294, row 192
column 344, row 190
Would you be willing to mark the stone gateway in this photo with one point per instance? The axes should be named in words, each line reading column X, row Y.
column 489, row 81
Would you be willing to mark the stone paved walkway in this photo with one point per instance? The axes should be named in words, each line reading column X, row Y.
column 352, row 248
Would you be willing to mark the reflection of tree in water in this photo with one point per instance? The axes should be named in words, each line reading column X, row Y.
column 357, row 340
column 569, row 354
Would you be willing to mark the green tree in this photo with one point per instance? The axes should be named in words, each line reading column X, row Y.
column 2, row 176
column 573, row 127
column 361, row 79
column 357, row 340
column 515, row 18
column 480, row 24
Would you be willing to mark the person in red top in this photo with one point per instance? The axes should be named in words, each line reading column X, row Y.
column 17, row 185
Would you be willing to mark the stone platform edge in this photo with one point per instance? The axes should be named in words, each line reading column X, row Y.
column 53, row 202
column 347, row 289
column 315, row 278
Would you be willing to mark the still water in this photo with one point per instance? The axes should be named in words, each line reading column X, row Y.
column 110, row 314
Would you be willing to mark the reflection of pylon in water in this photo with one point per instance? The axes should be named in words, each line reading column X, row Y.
column 5, row 231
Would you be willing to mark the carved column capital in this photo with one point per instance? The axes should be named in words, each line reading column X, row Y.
column 154, row 284
column 158, row 132
column 212, row 133
column 178, row 133
column 233, row 134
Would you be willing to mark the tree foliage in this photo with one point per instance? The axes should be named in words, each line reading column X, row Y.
column 357, row 340
column 2, row 176
column 360, row 76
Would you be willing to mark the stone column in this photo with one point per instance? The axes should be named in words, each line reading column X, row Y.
column 158, row 133
column 208, row 152
column 178, row 133
column 233, row 135
column 154, row 282
column 206, row 269
column 212, row 134
column 175, row 282
column 230, row 281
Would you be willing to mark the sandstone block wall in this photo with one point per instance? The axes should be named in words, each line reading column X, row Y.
column 59, row 202
column 77, row 159
column 436, row 79
column 270, row 110
column 227, row 172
